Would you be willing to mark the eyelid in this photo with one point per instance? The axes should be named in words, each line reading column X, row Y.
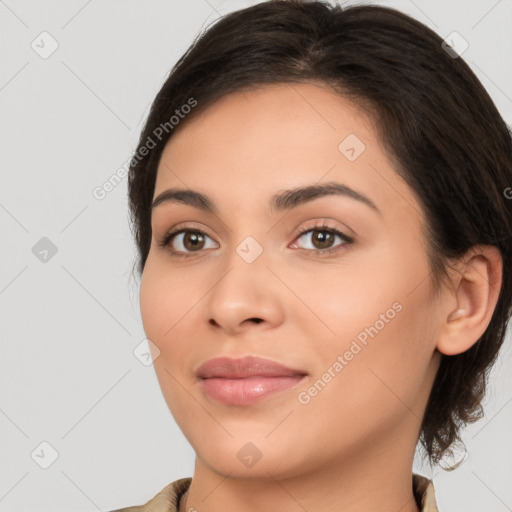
column 323, row 226
column 184, row 227
column 327, row 224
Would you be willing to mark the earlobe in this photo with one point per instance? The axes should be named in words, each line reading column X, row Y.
column 476, row 291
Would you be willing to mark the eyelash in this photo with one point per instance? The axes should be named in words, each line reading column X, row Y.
column 168, row 237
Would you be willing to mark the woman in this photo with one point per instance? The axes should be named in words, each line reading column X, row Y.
column 318, row 200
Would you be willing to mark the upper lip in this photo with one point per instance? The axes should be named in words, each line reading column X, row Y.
column 230, row 368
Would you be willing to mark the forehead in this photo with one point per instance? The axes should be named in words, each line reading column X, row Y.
column 251, row 143
column 279, row 113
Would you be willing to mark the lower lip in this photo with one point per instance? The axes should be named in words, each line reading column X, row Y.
column 248, row 390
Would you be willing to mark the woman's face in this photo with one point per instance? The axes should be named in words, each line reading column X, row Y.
column 354, row 312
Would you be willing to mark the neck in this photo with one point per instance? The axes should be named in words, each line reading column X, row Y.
column 378, row 481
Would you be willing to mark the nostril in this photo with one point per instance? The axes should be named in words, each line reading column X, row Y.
column 256, row 320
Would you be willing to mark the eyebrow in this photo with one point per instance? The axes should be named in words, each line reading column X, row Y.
column 284, row 200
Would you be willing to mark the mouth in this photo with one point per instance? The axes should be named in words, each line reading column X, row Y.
column 247, row 380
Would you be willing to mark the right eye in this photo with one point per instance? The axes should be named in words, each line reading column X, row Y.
column 182, row 242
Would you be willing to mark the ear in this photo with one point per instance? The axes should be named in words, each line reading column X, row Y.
column 473, row 298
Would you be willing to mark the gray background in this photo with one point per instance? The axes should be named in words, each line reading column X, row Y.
column 70, row 320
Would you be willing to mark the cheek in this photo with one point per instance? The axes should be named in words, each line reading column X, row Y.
column 170, row 302
column 162, row 305
column 377, row 316
column 345, row 298
column 362, row 391
column 166, row 299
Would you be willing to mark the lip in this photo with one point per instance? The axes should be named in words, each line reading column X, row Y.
column 246, row 380
column 248, row 366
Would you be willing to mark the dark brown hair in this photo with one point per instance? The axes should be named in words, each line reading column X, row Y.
column 442, row 131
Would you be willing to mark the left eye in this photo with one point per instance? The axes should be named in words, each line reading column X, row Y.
column 322, row 238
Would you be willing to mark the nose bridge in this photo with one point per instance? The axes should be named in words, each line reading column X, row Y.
column 249, row 238
column 250, row 249
column 245, row 271
column 245, row 288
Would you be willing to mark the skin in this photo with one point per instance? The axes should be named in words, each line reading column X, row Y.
column 351, row 447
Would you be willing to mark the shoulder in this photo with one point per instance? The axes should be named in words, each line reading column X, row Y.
column 423, row 490
column 165, row 501
column 168, row 498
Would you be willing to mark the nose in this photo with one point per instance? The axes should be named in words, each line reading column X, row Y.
column 246, row 296
column 213, row 322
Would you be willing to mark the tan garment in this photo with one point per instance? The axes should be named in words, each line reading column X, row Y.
column 167, row 500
